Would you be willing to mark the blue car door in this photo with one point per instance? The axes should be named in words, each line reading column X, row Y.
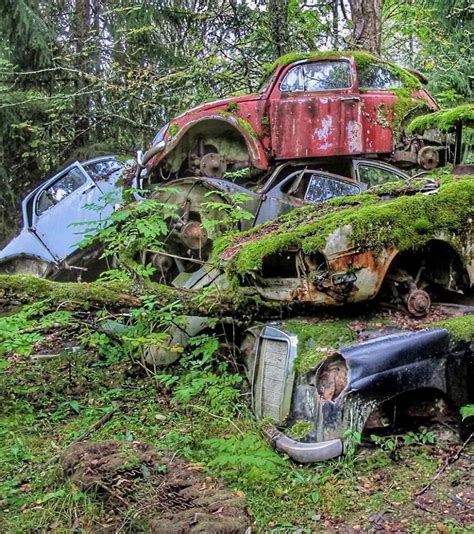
column 61, row 210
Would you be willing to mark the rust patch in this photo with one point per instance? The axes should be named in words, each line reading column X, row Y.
column 332, row 380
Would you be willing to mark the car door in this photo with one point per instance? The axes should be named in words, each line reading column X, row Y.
column 375, row 173
column 60, row 204
column 315, row 110
column 304, row 187
column 378, row 100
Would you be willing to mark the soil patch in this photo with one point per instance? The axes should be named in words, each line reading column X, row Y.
column 162, row 494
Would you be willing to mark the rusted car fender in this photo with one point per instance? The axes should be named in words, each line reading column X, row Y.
column 256, row 151
column 338, row 395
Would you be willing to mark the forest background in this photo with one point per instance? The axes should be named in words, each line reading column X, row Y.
column 80, row 78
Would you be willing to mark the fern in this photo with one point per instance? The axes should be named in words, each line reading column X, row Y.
column 247, row 459
column 467, row 411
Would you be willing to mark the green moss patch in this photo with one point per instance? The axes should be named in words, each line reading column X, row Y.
column 444, row 120
column 316, row 341
column 173, row 129
column 460, row 328
column 247, row 126
column 406, row 222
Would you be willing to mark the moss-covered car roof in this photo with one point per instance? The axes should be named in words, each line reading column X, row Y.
column 362, row 60
column 445, row 119
column 406, row 221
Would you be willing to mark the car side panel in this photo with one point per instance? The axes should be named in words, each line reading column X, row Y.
column 26, row 244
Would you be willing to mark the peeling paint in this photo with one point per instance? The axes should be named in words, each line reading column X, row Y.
column 354, row 137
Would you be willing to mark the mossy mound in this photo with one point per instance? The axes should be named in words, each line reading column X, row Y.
column 444, row 120
column 318, row 340
column 406, row 222
column 460, row 328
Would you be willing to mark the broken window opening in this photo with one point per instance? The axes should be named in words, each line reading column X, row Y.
column 321, row 76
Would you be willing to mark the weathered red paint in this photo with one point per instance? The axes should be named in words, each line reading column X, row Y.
column 293, row 125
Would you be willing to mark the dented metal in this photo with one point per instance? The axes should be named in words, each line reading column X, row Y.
column 346, row 391
column 311, row 109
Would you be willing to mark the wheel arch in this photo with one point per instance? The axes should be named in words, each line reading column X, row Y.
column 435, row 247
column 240, row 131
column 25, row 264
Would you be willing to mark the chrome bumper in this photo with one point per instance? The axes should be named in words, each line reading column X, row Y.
column 303, row 453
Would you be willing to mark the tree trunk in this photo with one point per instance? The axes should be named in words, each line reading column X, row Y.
column 335, row 25
column 367, row 21
column 81, row 29
column 280, row 35
column 16, row 290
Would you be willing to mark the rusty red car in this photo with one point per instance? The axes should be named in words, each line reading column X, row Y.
column 313, row 106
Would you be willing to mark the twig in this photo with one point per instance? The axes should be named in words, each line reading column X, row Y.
column 217, row 417
column 98, row 424
column 40, row 357
column 445, row 466
column 458, row 500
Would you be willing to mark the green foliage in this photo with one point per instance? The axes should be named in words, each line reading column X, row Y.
column 248, row 460
column 467, row 411
column 20, row 332
column 424, row 437
column 390, row 444
column 203, row 376
column 230, row 210
column 132, row 231
column 352, row 441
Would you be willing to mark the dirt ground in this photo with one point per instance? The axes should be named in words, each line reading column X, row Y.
column 166, row 495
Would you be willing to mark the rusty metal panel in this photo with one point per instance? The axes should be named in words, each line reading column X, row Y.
column 315, row 125
column 377, row 115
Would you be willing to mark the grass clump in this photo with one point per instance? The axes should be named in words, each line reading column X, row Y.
column 460, row 328
column 247, row 127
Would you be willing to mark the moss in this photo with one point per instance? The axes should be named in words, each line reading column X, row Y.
column 405, row 222
column 405, row 108
column 247, row 126
column 173, row 129
column 444, row 120
column 300, row 429
column 233, row 107
column 30, row 288
column 401, row 187
column 460, row 328
column 316, row 341
column 265, row 122
column 362, row 59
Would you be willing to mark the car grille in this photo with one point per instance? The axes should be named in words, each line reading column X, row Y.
column 273, row 383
